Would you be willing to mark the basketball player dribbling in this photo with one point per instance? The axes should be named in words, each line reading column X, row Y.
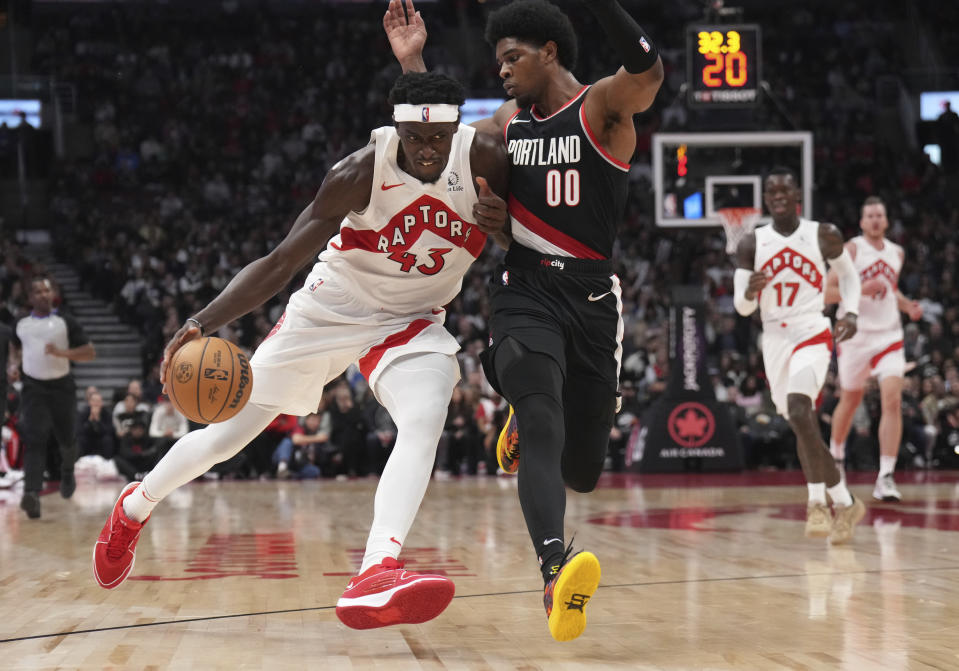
column 877, row 348
column 556, row 310
column 781, row 269
column 412, row 211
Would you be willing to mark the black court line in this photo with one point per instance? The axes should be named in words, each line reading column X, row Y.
column 653, row 583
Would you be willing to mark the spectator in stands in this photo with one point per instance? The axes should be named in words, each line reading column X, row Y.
column 131, row 410
column 135, row 389
column 95, row 434
column 259, row 456
column 461, row 436
column 166, row 425
column 136, row 454
column 306, row 449
column 348, row 431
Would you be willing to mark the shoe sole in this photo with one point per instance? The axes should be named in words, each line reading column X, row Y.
column 579, row 577
column 500, row 443
column 887, row 499
column 418, row 602
column 818, row 532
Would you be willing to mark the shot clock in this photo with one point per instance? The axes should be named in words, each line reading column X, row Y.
column 723, row 65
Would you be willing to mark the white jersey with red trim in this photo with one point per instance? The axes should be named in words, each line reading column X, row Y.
column 794, row 264
column 408, row 250
column 878, row 313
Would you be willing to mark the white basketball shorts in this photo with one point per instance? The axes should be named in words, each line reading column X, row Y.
column 869, row 354
column 323, row 331
column 796, row 359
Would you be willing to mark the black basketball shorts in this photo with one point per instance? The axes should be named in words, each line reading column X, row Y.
column 569, row 309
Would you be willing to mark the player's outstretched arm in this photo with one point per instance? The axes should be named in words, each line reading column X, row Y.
column 406, row 32
column 831, row 294
column 614, row 100
column 747, row 282
column 347, row 187
column 850, row 289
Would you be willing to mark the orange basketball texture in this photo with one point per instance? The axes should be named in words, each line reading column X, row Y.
column 209, row 380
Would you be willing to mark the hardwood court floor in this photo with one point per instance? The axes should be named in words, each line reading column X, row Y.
column 699, row 572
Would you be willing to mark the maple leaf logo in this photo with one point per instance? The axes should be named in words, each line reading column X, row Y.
column 691, row 424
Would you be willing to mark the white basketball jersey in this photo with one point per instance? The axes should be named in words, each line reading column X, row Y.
column 796, row 270
column 408, row 250
column 882, row 312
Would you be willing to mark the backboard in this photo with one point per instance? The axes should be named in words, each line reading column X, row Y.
column 696, row 174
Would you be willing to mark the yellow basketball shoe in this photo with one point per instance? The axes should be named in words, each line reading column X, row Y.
column 507, row 445
column 567, row 594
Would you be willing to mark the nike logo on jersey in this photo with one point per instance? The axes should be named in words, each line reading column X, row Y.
column 386, row 187
column 519, row 121
column 592, row 299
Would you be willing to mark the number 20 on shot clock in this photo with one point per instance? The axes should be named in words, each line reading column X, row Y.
column 723, row 65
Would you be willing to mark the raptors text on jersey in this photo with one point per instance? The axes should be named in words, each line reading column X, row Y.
column 796, row 270
column 408, row 250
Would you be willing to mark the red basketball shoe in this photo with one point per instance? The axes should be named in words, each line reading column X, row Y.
column 115, row 550
column 385, row 594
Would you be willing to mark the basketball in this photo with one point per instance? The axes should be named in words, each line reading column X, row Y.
column 209, row 380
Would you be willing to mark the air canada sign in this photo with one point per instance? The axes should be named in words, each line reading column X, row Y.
column 686, row 428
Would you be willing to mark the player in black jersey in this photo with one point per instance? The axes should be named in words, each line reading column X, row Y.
column 556, row 326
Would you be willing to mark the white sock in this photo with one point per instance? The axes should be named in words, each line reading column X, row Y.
column 138, row 505
column 887, row 465
column 840, row 495
column 838, row 450
column 416, row 391
column 817, row 492
column 194, row 454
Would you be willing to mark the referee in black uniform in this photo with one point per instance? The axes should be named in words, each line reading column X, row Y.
column 48, row 342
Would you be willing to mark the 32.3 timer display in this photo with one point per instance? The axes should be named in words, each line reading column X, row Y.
column 723, row 65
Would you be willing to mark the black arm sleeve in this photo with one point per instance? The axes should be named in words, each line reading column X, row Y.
column 630, row 41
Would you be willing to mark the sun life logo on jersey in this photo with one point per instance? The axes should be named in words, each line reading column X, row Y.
column 453, row 182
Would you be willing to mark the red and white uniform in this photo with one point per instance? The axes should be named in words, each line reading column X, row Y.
column 877, row 347
column 377, row 291
column 796, row 340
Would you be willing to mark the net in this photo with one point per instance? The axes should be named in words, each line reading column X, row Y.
column 737, row 222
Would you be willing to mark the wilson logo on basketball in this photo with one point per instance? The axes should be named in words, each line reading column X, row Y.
column 184, row 373
column 244, row 364
column 691, row 424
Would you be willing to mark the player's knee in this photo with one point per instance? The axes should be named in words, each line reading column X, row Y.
column 798, row 409
column 583, row 482
column 423, row 418
column 892, row 404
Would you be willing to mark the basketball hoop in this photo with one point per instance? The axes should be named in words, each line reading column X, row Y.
column 737, row 222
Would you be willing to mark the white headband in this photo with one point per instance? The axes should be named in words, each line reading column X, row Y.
column 425, row 113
